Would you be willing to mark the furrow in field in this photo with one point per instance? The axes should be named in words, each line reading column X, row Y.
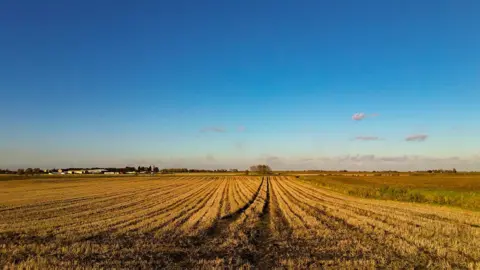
column 293, row 215
column 89, row 198
column 434, row 232
column 412, row 247
column 236, row 200
column 85, row 207
column 244, row 192
column 279, row 222
column 330, row 237
column 227, row 205
column 118, row 220
column 152, row 218
column 98, row 212
column 241, row 236
column 175, row 218
column 238, row 196
column 204, row 217
column 51, row 197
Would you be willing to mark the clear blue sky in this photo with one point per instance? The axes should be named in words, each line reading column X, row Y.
column 230, row 83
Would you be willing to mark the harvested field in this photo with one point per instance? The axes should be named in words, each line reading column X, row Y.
column 224, row 221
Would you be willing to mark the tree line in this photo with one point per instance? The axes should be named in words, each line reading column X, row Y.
column 139, row 169
column 258, row 169
column 185, row 170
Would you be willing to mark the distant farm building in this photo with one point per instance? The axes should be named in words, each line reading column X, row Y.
column 76, row 172
column 96, row 171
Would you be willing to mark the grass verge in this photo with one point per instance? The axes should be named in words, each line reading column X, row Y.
column 402, row 190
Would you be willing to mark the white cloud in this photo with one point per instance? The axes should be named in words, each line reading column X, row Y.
column 367, row 138
column 361, row 116
column 358, row 116
column 416, row 138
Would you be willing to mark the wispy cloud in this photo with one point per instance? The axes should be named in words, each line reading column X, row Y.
column 361, row 116
column 367, row 138
column 394, row 159
column 416, row 138
column 213, row 129
column 241, row 128
column 358, row 116
column 372, row 162
column 362, row 158
column 274, row 161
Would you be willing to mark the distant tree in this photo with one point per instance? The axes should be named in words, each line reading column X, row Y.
column 129, row 169
column 454, row 170
column 261, row 169
column 155, row 169
column 29, row 171
column 36, row 171
column 20, row 171
column 247, row 172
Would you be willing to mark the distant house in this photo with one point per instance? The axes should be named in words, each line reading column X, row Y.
column 111, row 173
column 76, row 172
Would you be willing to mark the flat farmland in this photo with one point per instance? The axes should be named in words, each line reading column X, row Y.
column 458, row 190
column 224, row 221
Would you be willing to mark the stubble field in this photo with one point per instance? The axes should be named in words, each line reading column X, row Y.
column 224, row 221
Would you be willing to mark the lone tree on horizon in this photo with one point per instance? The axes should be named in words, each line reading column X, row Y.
column 261, row 169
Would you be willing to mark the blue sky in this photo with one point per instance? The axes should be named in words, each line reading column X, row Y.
column 231, row 83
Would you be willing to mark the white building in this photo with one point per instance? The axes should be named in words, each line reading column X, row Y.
column 96, row 171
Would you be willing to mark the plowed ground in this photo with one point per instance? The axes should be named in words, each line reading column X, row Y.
column 224, row 221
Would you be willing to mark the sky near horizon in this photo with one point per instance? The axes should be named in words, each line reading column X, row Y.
column 219, row 84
